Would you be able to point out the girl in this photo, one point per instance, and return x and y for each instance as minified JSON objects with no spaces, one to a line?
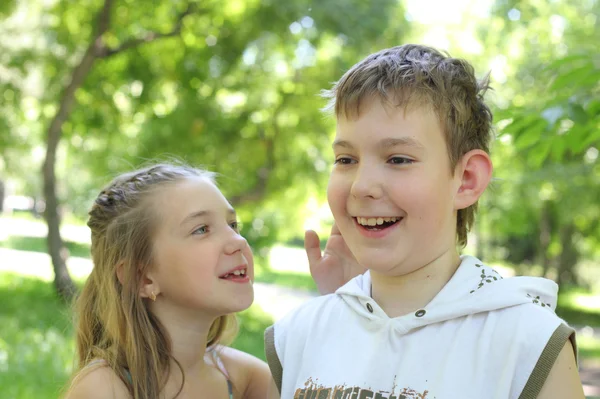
{"x":170,"y":270}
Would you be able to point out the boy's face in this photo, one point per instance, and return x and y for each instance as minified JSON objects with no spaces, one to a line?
{"x":391,"y":190}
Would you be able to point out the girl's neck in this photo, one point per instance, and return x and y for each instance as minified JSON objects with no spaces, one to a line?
{"x":188,"y":334}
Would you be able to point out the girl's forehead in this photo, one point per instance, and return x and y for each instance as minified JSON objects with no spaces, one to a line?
{"x":175,"y":201}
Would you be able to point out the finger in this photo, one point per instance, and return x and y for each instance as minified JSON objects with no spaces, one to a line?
{"x":312,"y":246}
{"x":335,"y":230}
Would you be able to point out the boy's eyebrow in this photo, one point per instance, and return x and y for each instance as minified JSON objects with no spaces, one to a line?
{"x":403,"y":141}
{"x":199,"y":214}
{"x":341,"y":143}
{"x":385,"y":143}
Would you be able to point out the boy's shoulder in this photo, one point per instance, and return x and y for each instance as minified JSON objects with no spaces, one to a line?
{"x":314,"y":307}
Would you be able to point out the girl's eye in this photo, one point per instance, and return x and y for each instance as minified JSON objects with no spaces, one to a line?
{"x":200,"y":230}
{"x":343,"y":161}
{"x":235,"y":226}
{"x":400,"y":161}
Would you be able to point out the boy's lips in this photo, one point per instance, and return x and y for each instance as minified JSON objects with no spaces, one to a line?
{"x":376,"y":227}
{"x":377,"y":220}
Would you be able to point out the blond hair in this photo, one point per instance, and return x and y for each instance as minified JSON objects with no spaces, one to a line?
{"x":412,"y":76}
{"x":113,"y":321}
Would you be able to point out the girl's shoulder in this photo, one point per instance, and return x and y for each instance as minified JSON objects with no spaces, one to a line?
{"x":97,"y":380}
{"x":249,"y":375}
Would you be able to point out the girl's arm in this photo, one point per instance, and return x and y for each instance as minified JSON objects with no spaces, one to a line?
{"x":250,"y":375}
{"x":100,"y":382}
{"x":563,"y":380}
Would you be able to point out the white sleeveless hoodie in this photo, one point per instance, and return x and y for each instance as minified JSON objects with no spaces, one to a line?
{"x":481,"y":337}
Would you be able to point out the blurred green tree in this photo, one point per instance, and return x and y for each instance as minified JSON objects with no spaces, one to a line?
{"x":232,"y":86}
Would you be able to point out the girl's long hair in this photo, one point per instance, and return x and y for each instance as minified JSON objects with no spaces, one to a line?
{"x":113,"y":322}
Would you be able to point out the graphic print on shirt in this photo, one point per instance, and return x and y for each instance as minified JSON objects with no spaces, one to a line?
{"x":313,"y":390}
{"x":487,"y":276}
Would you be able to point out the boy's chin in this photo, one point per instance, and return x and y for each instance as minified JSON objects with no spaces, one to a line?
{"x":387,"y":267}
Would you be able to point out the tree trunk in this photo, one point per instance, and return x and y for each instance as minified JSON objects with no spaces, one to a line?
{"x":2,"y":193}
{"x":58,"y":253}
{"x":568,"y":256}
{"x":62,"y":281}
{"x":544,"y":239}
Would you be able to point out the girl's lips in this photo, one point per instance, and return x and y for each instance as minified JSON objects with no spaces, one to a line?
{"x":241,"y":277}
{"x":237,"y":279}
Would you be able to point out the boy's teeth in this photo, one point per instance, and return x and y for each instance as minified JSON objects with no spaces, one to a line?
{"x":237,"y":272}
{"x":376,"y":221}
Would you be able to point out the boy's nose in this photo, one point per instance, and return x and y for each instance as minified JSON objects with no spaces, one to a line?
{"x":235,"y":244}
{"x":366,"y":184}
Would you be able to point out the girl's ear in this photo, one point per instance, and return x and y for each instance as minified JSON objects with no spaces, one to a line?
{"x":473,"y":173}
{"x":120,"y":270}
{"x":149,"y":287}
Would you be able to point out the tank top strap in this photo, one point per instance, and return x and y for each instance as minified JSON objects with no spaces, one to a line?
{"x":222,"y":369}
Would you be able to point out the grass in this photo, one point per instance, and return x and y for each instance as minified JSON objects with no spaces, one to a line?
{"x":38,"y":244}
{"x":37,"y":346}
{"x":297,"y":280}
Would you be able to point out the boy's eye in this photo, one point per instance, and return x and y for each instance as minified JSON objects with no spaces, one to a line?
{"x":235,"y":226}
{"x":343,"y":161}
{"x":200,"y":230}
{"x":400,"y":160}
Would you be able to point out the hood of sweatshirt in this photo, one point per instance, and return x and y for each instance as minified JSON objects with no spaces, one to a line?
{"x":473,"y":288}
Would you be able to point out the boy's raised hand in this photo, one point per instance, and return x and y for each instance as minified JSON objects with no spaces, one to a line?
{"x":335,"y":266}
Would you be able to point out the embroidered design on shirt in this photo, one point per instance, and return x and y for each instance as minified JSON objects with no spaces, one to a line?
{"x":487,"y":276}
{"x":313,"y":390}
{"x":538,"y":301}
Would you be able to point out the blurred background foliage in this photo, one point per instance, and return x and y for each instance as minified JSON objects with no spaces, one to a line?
{"x":234,"y":87}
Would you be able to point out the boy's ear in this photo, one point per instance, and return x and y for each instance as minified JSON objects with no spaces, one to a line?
{"x":473,"y":174}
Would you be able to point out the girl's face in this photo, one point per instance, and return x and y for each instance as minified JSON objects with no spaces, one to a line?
{"x":200,"y":260}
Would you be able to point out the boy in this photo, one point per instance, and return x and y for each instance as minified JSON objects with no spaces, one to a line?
{"x":411,"y":161}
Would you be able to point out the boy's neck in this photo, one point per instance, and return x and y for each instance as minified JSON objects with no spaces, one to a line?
{"x":400,"y":295}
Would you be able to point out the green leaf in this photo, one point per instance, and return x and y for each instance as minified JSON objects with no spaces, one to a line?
{"x":531,"y":134}
{"x":570,"y":59}
{"x":538,"y":154}
{"x":577,"y":114}
{"x":572,"y":77}
{"x":593,"y":108}
{"x":558,"y":150}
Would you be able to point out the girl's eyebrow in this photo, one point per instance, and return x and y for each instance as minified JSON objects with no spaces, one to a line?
{"x":199,"y":214}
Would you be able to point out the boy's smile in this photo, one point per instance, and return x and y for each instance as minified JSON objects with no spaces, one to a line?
{"x":391,"y":190}
{"x":377,"y":226}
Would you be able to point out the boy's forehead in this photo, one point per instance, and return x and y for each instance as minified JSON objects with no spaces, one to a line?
{"x":393,"y":101}
{"x":383,"y":125}
{"x":387,"y":110}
